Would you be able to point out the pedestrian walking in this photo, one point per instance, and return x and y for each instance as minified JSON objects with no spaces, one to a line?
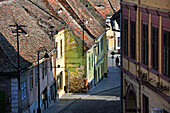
{"x":117,"y":61}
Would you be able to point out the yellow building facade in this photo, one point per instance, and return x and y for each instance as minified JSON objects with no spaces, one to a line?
{"x":146,"y":56}
{"x":60,"y":62}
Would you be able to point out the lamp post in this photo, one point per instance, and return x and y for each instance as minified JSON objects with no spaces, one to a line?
{"x":41,"y":49}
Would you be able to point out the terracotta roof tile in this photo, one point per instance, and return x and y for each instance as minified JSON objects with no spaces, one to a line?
{"x":5,"y":64}
{"x":83,"y":14}
{"x":71,"y":24}
{"x":106,"y":7}
{"x":28,"y":44}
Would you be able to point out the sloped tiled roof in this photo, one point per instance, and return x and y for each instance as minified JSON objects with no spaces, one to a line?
{"x":5,"y":64}
{"x":83,"y":14}
{"x":68,"y":18}
{"x":14,"y":11}
{"x":106,"y":7}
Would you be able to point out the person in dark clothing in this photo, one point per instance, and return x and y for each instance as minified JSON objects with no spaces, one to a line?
{"x":117,"y":61}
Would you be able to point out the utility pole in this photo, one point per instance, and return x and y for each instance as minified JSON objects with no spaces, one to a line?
{"x":18,"y":29}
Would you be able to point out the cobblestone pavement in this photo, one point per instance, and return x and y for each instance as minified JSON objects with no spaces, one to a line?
{"x":105,"y":102}
{"x":104,"y":98}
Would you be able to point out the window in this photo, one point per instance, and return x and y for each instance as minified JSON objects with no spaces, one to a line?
{"x":118,"y":41}
{"x":132,"y":40}
{"x":57,"y":50}
{"x":155,"y":48}
{"x":51,"y":66}
{"x":31,"y":79}
{"x":42,"y":70}
{"x":102,"y":69}
{"x":89,"y":63}
{"x":61,"y":48}
{"x":145,"y":104}
{"x":45,"y":67}
{"x":125,"y":37}
{"x":36,"y":75}
{"x":98,"y":47}
{"x":99,"y":73}
{"x":102,"y":44}
{"x":145,"y":44}
{"x":166,"y":53}
{"x":92,"y":60}
{"x":23,"y":89}
{"x":59,"y":81}
{"x":52,"y":92}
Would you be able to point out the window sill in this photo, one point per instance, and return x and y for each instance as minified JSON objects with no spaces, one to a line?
{"x":144,"y":66}
{"x":132,"y":60}
{"x":164,"y":77}
{"x":153,"y":71}
{"x":125,"y":56}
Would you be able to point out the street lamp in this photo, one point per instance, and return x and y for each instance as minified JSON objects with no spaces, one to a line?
{"x":41,"y":49}
{"x":112,"y":53}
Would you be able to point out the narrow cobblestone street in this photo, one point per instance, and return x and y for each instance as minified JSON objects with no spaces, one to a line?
{"x":104,"y":98}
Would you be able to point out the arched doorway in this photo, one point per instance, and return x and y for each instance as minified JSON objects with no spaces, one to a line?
{"x":131,"y":101}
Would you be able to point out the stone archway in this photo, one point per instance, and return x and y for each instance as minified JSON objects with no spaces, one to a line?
{"x":131,"y":104}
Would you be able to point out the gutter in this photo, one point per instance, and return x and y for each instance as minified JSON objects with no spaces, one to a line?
{"x":41,"y":60}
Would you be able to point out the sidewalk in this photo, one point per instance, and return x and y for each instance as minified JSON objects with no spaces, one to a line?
{"x":113,"y":81}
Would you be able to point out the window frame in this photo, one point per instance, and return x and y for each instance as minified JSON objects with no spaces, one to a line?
{"x":102,"y":43}
{"x":145,"y":99}
{"x":154,"y":52}
{"x":132,"y":39}
{"x":51,"y":63}
{"x":61,"y":47}
{"x":144,"y":43}
{"x":125,"y":39}
{"x":45,"y":67}
{"x":61,"y":81}
{"x":167,"y":62}
{"x":42,"y":67}
{"x":89,"y":63}
{"x":31,"y":79}
{"x":36,"y":75}
{"x":57,"y":50}
{"x":24,"y":88}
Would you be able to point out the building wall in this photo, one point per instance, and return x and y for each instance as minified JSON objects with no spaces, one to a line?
{"x":100,"y":58}
{"x":60,"y":60}
{"x":144,"y":78}
{"x":5,"y":88}
{"x":75,"y":62}
{"x":110,"y":35}
{"x":30,"y":102}
{"x":90,"y":66}
{"x":25,"y":101}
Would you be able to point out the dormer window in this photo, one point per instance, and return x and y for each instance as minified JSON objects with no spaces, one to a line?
{"x":60,"y":11}
{"x":100,"y":7}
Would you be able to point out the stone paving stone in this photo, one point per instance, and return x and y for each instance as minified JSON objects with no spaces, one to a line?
{"x":104,"y":98}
